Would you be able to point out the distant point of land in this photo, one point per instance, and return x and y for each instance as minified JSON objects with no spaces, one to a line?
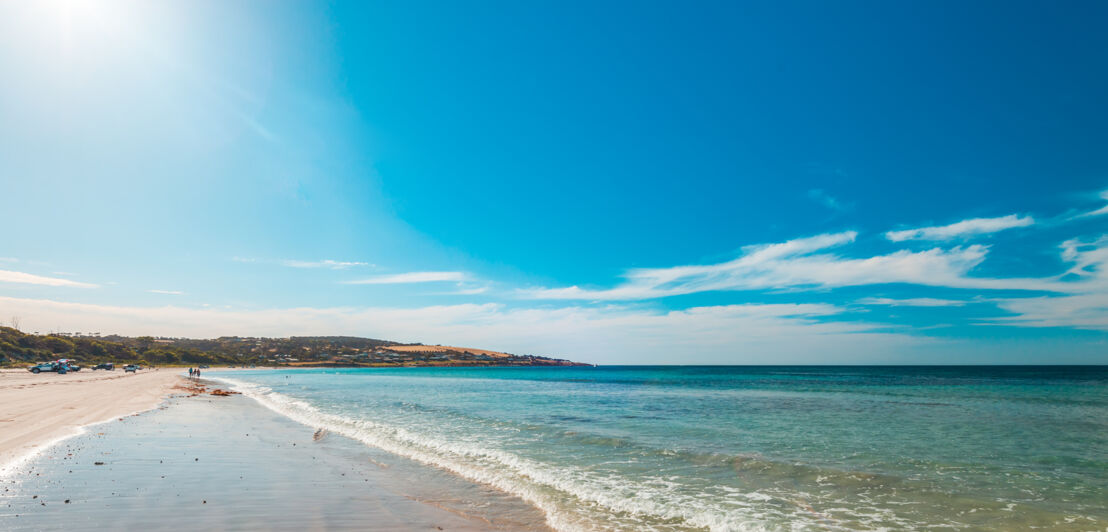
{"x":18,"y":348}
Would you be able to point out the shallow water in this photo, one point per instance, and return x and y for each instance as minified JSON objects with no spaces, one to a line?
{"x":209,"y":463}
{"x":739,"y":448}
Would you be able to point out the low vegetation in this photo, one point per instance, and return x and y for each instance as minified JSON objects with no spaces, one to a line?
{"x":21,"y":349}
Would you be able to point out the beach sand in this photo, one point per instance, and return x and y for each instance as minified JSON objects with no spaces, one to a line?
{"x":200,"y":461}
{"x":36,"y":410}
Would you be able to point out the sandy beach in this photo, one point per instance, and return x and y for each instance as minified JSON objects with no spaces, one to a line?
{"x":36,"y":410}
{"x":224,"y":461}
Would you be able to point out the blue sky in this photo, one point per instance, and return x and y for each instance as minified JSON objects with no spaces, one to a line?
{"x":802,"y":182}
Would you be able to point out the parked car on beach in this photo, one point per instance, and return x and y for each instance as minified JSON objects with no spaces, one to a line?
{"x":107,"y":365}
{"x":131,"y":368}
{"x":44,"y":366}
{"x":69,"y":364}
{"x":61,"y":366}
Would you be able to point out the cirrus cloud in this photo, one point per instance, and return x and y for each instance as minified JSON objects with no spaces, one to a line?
{"x":412,"y":277}
{"x":8,"y":276}
{"x":326,"y":263}
{"x":1096,"y":212}
{"x":912,"y":302}
{"x":803,"y":263}
{"x":973,"y":226}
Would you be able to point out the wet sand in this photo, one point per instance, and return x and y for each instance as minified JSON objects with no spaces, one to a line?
{"x":210,"y":462}
{"x":37,"y":410}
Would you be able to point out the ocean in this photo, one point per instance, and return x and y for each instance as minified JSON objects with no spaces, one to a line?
{"x":737,"y":448}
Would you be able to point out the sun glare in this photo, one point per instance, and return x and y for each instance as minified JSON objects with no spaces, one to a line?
{"x":79,"y":28}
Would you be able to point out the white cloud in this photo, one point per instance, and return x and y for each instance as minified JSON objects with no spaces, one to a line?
{"x":807,"y":264}
{"x":413,"y":277}
{"x":293,"y":263}
{"x":331,"y":264}
{"x":1098,"y":212}
{"x":1085,"y":311}
{"x":792,"y":264}
{"x":1088,"y":258}
{"x":166,"y":292}
{"x":1086,"y":304}
{"x":973,"y":226}
{"x":780,"y":333}
{"x":466,"y":291}
{"x":7,"y":276}
{"x":911,"y":302}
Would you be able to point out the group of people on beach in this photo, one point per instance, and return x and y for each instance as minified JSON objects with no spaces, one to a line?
{"x":194,"y":373}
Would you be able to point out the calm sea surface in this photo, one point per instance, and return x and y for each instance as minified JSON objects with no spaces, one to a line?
{"x":739,"y":448}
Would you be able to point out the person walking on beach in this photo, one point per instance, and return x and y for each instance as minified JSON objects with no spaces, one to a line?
{"x":190,"y":372}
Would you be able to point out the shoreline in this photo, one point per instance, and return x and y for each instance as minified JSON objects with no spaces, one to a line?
{"x":85,"y":396}
{"x":478,"y":454}
{"x":40,"y":411}
{"x":109,"y":474}
{"x":550,"y":520}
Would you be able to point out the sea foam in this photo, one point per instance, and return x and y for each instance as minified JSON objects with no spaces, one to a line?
{"x":571,"y":499}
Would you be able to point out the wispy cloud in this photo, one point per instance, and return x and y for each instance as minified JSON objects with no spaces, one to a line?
{"x":825,"y":199}
{"x":7,"y":276}
{"x":794,"y":264}
{"x":1084,"y":311}
{"x":330,"y":264}
{"x":973,"y":226}
{"x":466,"y":291}
{"x":912,"y":302}
{"x":1086,"y":304}
{"x":1089,"y":258}
{"x":295,"y":263}
{"x":413,"y":277}
{"x":1098,"y":212}
{"x":166,"y":292}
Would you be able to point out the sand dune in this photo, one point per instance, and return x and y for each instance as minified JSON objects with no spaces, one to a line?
{"x":36,"y":410}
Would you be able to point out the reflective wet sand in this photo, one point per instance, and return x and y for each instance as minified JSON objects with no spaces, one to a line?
{"x":218,"y":463}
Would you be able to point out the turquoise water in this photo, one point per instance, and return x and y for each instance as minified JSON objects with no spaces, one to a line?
{"x":739,"y":448}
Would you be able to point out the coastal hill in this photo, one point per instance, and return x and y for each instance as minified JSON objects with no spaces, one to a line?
{"x":18,"y":349}
{"x":439,"y":349}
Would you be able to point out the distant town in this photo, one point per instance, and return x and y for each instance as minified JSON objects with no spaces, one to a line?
{"x":18,"y":348}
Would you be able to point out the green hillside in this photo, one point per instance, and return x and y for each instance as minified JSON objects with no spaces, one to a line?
{"x":21,"y":349}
